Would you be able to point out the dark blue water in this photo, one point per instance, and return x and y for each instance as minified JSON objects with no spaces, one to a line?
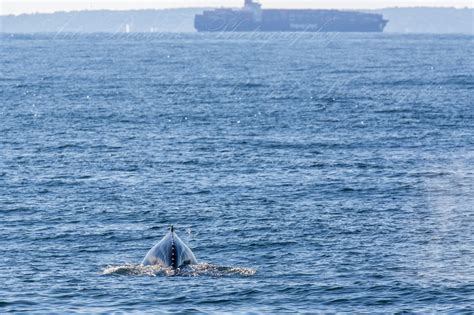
{"x":318,"y":173}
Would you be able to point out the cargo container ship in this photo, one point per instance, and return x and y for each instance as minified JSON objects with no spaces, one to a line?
{"x":253,"y":18}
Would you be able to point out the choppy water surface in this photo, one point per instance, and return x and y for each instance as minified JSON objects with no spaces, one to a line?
{"x":307,"y":172}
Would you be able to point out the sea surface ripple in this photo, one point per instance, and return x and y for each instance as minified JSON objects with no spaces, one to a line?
{"x":308,"y":172}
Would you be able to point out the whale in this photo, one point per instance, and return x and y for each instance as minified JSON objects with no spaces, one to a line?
{"x":170,"y":252}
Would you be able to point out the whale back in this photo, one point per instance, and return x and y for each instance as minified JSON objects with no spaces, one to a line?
{"x":170,"y":252}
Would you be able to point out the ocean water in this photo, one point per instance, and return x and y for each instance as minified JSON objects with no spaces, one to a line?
{"x":307,"y":172}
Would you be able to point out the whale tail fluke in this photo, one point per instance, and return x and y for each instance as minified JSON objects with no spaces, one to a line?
{"x":171,"y":251}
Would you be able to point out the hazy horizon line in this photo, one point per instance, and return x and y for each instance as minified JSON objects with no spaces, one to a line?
{"x":210,"y":7}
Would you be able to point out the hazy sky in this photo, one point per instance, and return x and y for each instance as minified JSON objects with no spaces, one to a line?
{"x":31,"y":6}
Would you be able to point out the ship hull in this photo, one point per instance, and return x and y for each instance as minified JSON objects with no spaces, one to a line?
{"x":226,"y":20}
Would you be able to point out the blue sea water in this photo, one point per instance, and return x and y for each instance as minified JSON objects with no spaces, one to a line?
{"x":308,"y":172}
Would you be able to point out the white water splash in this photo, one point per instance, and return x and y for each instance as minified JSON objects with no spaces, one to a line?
{"x":448,"y":254}
{"x":203,"y":269}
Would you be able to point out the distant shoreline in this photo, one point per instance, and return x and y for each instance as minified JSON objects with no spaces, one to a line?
{"x":414,"y":20}
{"x":213,"y":8}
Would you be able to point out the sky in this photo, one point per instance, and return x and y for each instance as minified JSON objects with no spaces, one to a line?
{"x":31,"y":6}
